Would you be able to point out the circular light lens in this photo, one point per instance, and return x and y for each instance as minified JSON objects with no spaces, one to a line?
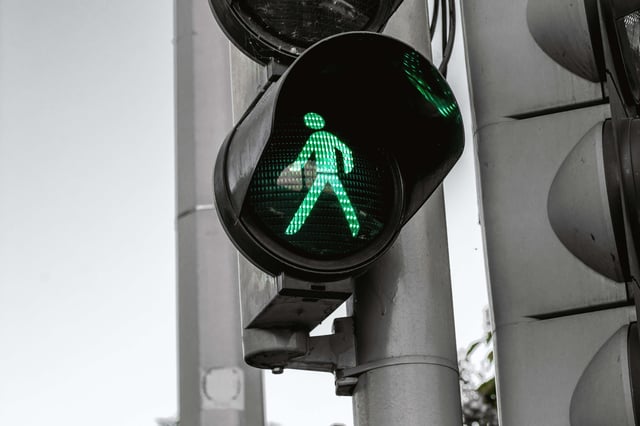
{"x":317,"y":193}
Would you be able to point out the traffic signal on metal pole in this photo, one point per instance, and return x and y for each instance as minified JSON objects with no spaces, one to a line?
{"x":342,"y":145}
{"x":317,"y":179}
{"x":554,"y":180}
{"x":593,"y":203}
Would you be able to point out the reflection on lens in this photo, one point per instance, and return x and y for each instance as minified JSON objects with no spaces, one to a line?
{"x":629,"y":30}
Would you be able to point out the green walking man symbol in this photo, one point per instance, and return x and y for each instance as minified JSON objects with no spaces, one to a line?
{"x":324,"y":145}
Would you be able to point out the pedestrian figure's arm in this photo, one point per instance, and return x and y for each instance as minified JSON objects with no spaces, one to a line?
{"x":347,"y":157}
{"x":303,"y":157}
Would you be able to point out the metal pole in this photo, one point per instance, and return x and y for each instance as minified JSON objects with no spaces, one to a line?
{"x":403,"y":307}
{"x":216,"y":386}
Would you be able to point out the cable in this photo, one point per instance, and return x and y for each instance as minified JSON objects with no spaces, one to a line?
{"x":446,"y":51}
{"x":448,"y":34}
{"x":444,"y":25}
{"x":434,"y":17}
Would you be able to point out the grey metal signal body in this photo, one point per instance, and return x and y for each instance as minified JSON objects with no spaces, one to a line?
{"x":558,"y":227}
{"x":308,"y":286}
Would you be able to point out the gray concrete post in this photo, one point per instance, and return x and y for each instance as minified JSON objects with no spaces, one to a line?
{"x":216,"y":386}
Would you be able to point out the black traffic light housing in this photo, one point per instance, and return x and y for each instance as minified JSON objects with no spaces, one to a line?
{"x":402,"y":130}
{"x":280,"y":30}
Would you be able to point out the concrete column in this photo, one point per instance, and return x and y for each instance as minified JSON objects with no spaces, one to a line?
{"x":216,"y":387}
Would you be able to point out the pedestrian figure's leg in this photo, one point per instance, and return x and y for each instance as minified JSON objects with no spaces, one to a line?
{"x":345,"y":203}
{"x":307,"y":204}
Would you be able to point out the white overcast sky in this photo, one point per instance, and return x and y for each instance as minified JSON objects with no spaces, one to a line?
{"x":87,"y":209}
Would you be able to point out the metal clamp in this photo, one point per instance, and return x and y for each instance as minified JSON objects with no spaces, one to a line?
{"x":347,"y":378}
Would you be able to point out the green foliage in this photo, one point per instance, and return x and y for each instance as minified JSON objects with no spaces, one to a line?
{"x":478,"y":384}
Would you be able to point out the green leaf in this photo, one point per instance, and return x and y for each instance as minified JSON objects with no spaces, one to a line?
{"x":488,"y":337}
{"x":487,"y":388}
{"x":472,"y":348}
{"x":488,"y":392}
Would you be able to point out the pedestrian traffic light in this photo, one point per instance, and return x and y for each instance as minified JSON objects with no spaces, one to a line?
{"x":281,"y":30}
{"x":320,"y":174}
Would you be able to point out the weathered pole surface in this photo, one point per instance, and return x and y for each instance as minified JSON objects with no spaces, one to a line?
{"x":403,"y":307}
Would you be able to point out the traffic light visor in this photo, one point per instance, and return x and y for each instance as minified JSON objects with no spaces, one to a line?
{"x":584,"y":205}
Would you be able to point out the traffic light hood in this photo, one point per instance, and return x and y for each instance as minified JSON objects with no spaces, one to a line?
{"x":608,"y":390}
{"x":337,"y":155}
{"x":592,"y":38}
{"x":584,"y":205}
{"x":569,"y":33}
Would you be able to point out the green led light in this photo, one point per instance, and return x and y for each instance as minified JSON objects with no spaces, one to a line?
{"x":319,"y":193}
{"x":324,"y":145}
{"x":336,"y":183}
{"x":414,"y":71}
